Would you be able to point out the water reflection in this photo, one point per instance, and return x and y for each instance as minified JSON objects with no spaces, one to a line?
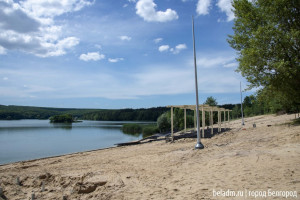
{"x":67,"y":126}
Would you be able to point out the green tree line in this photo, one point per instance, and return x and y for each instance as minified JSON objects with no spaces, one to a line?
{"x":150,"y":114}
{"x":29,"y":112}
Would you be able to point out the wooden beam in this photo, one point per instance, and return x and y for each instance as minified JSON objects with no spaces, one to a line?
{"x":219,"y":123}
{"x":224,"y":119}
{"x":172,"y":132}
{"x":212,"y":122}
{"x":203,"y":122}
{"x":185,"y":120}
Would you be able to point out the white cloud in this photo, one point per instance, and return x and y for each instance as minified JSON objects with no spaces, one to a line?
{"x":147,"y":10}
{"x":163,"y":48}
{"x":5,"y":78}
{"x":46,"y":8}
{"x":214,"y":61}
{"x":124,"y":37}
{"x":114,"y":60}
{"x":175,"y":50}
{"x":98,"y":46}
{"x":29,"y":26}
{"x":179,"y":48}
{"x":2,"y":50}
{"x":157,"y":40}
{"x":92,"y":56}
{"x":226,"y":6}
{"x":203,"y":7}
{"x":231,"y":65}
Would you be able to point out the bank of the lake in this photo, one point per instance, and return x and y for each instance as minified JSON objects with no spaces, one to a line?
{"x":265,"y":158}
{"x":31,"y":139}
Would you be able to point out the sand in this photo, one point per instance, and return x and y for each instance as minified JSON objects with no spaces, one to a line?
{"x":245,"y":160}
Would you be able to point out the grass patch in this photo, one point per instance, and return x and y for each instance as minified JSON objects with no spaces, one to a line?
{"x":132,"y":129}
{"x":149,"y":130}
{"x":137,"y":129}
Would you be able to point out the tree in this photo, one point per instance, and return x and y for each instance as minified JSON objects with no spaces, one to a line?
{"x":163,"y":122}
{"x":66,"y":118}
{"x":211,"y":101}
{"x":266,"y":36}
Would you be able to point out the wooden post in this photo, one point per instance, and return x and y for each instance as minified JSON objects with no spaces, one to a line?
{"x":203,"y":121}
{"x":212,"y":121}
{"x":228,"y":118}
{"x":43,"y":187}
{"x":225,"y":120}
{"x":172,"y":133}
{"x":32,"y":196}
{"x":18,"y":181}
{"x":218,"y":121}
{"x":185,"y":120}
{"x":209,"y":119}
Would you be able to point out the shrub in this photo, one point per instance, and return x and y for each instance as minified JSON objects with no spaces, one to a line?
{"x":132,"y":129}
{"x":164,"y":122}
{"x":149,"y":130}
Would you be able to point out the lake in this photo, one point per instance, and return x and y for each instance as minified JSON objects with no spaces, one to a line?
{"x":31,"y":139}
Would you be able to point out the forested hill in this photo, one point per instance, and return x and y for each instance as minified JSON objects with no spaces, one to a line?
{"x":149,"y":114}
{"x":29,"y":112}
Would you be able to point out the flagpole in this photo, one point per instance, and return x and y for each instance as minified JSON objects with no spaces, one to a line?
{"x":199,"y":145}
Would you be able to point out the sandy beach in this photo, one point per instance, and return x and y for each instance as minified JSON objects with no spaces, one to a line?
{"x":245,"y":160}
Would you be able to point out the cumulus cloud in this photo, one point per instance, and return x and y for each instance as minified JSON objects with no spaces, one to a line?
{"x":147,"y":10}
{"x":163,"y":48}
{"x":2,"y":50}
{"x":124,"y":37}
{"x":11,"y":16}
{"x":157,"y":40}
{"x":226,"y":6}
{"x":46,"y":8}
{"x":179,"y":48}
{"x":213,"y":61}
{"x":91,"y":56}
{"x":29,"y":26}
{"x":203,"y":7}
{"x":175,"y":50}
{"x":231,"y":65}
{"x":114,"y":60}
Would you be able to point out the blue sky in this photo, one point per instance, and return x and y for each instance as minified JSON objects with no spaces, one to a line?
{"x":115,"y":54}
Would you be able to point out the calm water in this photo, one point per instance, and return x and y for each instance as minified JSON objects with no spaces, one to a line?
{"x":31,"y":139}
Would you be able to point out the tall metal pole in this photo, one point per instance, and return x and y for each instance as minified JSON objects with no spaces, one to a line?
{"x":199,"y":145}
{"x":242,"y":104}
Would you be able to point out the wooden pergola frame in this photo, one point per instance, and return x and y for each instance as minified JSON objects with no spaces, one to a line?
{"x":203,"y":108}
